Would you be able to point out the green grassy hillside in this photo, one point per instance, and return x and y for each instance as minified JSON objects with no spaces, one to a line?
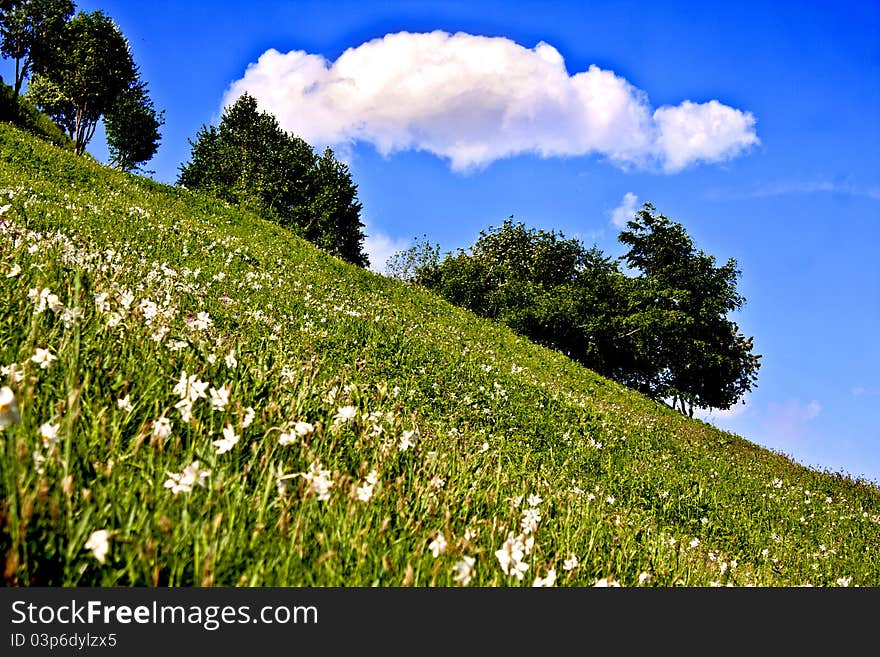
{"x":233,"y":406}
{"x":20,"y":112}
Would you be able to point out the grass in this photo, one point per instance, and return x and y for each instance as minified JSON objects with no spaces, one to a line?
{"x":20,"y":112}
{"x":385,"y":437}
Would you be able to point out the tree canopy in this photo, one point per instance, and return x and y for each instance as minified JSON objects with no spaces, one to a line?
{"x":89,"y":73}
{"x":679,"y":312}
{"x":132,"y":126}
{"x":81,"y":70}
{"x":30,"y":33}
{"x":250,"y":160}
{"x":664,"y":331}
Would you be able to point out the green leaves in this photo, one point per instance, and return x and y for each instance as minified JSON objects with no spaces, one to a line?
{"x":132,"y":127}
{"x":690,"y":351}
{"x":249,"y":160}
{"x":664,"y":333}
{"x":30,"y":32}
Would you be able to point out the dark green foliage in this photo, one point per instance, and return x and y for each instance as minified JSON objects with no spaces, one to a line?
{"x":695,"y":354}
{"x":30,"y":33}
{"x":552,"y":289}
{"x":18,"y":111}
{"x":132,"y":127}
{"x":88,"y":73}
{"x":251,"y":161}
{"x":664,"y":332}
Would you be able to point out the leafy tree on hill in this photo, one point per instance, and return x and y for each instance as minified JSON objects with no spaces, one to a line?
{"x":132,"y":125}
{"x":694,"y":354}
{"x":88,"y":74}
{"x":250,"y":160}
{"x":30,"y":32}
{"x":551,"y":289}
{"x":664,"y":332}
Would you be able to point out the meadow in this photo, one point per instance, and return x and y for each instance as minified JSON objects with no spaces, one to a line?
{"x":198,"y":397}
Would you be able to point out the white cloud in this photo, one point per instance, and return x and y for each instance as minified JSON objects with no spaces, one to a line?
{"x":862,"y":391}
{"x":713,"y":414}
{"x":380,"y":246}
{"x":710,"y":132}
{"x":789,"y":420}
{"x":625,"y":211}
{"x":474,"y":99}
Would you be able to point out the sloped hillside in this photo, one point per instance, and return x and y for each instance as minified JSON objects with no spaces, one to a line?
{"x":198,"y":397}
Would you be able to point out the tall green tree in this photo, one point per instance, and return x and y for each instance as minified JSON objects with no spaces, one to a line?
{"x":250,"y":160}
{"x":132,"y":126}
{"x":30,"y":33}
{"x":334,"y":211}
{"x":665,"y":332}
{"x":88,"y":74}
{"x":543,"y":285}
{"x":689,"y":350}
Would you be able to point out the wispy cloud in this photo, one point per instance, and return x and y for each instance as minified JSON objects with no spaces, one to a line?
{"x":474,"y":99}
{"x":713,"y":414}
{"x":625,"y":211}
{"x":783,"y":188}
{"x":788,"y":421}
{"x":380,"y":246}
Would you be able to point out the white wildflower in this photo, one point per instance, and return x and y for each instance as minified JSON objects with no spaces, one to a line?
{"x":571,"y":563}
{"x":303,"y":429}
{"x":406,"y":441}
{"x":319,"y":480}
{"x":530,"y":519}
{"x":365,"y":491}
{"x":220,"y":397}
{"x":101,"y":303}
{"x":126,"y":299}
{"x":548,"y":581}
{"x":438,"y":545}
{"x":184,"y":481}
{"x":345,"y":414}
{"x":162,"y":428}
{"x":510,"y":556}
{"x":8,"y":407}
{"x":202,"y":322}
{"x":228,"y":440}
{"x":606,"y":582}
{"x":464,"y":570}
{"x":185,"y":407}
{"x":49,"y":433}
{"x":99,"y":544}
{"x":43,"y":357}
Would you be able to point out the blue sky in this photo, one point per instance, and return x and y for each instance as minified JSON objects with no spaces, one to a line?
{"x":788,"y":184}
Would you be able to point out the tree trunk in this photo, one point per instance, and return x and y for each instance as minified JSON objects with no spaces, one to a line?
{"x":18,"y":80}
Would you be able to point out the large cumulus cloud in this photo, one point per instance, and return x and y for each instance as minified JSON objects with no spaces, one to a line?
{"x":475,"y":99}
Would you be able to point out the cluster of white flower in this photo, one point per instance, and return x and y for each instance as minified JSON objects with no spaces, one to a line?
{"x":183,"y":482}
{"x":320,"y":481}
{"x":365,"y":490}
{"x":513,"y":551}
